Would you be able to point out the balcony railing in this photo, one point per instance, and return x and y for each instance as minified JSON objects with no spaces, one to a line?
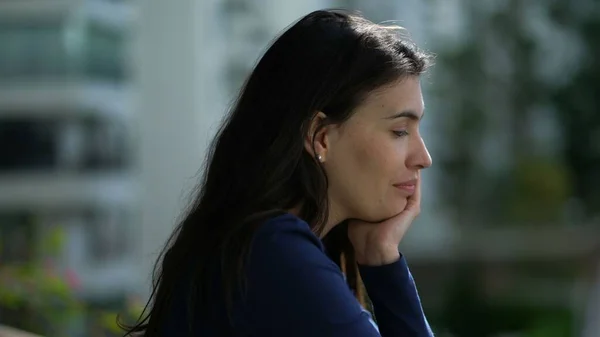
{"x":6,"y":331}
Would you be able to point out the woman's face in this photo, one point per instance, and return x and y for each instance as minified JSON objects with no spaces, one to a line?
{"x":372,"y":160}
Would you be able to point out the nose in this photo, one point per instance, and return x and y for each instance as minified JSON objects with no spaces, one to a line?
{"x":420,"y":157}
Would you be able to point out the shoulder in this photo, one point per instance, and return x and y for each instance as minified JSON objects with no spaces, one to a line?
{"x":286,"y":242}
{"x":291,"y":282}
{"x":284,"y":230}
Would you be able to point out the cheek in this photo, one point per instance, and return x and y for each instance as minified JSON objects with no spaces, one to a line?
{"x":379,"y":164}
{"x":362,"y":175}
{"x":367,"y":164}
{"x":359,"y":168}
{"x":378,"y":158}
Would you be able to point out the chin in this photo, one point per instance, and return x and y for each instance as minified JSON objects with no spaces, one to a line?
{"x":381,"y":211}
{"x":395,"y":207}
{"x":387,"y":211}
{"x":400,"y":205}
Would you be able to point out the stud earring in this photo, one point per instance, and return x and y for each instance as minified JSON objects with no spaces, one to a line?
{"x":320,"y":158}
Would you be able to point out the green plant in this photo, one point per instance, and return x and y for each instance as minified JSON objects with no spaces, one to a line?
{"x":35,"y":296}
{"x":107,"y":320}
{"x":39,"y":297}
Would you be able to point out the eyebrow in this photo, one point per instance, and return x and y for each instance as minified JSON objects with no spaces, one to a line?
{"x":410,"y":114}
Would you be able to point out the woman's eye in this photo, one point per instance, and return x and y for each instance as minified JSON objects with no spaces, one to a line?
{"x":400,"y":133}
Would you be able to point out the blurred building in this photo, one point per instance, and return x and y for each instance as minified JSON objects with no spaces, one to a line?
{"x":67,"y":139}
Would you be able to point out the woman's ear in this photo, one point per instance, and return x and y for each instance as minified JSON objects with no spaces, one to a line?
{"x":316,"y":140}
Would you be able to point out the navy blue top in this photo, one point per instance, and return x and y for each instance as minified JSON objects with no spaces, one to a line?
{"x":294,"y":289}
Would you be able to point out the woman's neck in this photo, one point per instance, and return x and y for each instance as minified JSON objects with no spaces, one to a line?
{"x":333,"y":219}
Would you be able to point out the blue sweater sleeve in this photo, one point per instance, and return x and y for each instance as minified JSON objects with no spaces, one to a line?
{"x":397,"y":306}
{"x":294,"y":289}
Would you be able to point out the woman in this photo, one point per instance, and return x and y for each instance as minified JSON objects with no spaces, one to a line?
{"x":310,"y":185}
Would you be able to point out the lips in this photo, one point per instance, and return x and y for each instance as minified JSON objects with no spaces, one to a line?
{"x":408,"y":186}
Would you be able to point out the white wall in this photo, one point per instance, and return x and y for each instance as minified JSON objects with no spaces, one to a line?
{"x":178,"y":103}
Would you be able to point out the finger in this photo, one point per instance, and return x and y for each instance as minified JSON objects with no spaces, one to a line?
{"x":417,"y":195}
{"x":413,"y":204}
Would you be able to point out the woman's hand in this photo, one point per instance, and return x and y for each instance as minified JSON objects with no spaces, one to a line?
{"x":376,"y":244}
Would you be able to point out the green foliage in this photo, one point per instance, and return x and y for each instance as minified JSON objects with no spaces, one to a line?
{"x":577,"y":100}
{"x":469,"y":312}
{"x":36,"y":296}
{"x":490,"y":85}
{"x":492,"y":88}
{"x":541,"y":189}
{"x":107,"y":320}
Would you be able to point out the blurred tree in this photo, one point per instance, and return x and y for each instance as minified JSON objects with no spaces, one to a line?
{"x":517,"y":97}
{"x":577,"y":100}
{"x":499,"y":166}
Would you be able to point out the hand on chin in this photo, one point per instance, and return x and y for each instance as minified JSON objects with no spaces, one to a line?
{"x":390,"y":211}
{"x":376,"y":242}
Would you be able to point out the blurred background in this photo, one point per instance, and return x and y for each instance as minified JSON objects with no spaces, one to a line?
{"x":107,"y":106}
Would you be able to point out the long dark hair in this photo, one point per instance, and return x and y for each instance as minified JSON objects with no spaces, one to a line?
{"x":257,"y":165}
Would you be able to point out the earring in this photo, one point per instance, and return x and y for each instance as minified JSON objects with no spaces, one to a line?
{"x":320,"y":158}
